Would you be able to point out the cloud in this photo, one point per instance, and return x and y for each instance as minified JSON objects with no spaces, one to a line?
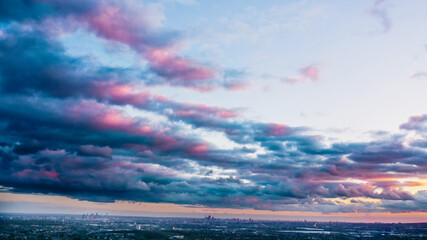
{"x":380,"y":12}
{"x":294,"y":176}
{"x":419,"y":75}
{"x":90,"y":150}
{"x":415,"y":123}
{"x":70,"y":126}
{"x":418,"y":205}
{"x":366,"y":190}
{"x":128,"y":22}
{"x":309,"y":73}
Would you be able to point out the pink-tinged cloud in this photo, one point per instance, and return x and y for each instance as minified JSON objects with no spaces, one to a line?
{"x":132,"y":24}
{"x":198,"y":149}
{"x":33,"y":174}
{"x":201,"y":111}
{"x":50,"y":174}
{"x":210,"y":110}
{"x":111,"y":22}
{"x":113,"y":119}
{"x":119,"y":23}
{"x":237,"y":86}
{"x":227,"y":114}
{"x":24,"y":173}
{"x":277,"y":129}
{"x":120,"y":93}
{"x":309,"y":73}
{"x":145,"y":130}
{"x":165,"y":142}
{"x":177,"y":68}
{"x":186,"y":113}
{"x":194,"y":113}
{"x":100,"y":116}
{"x":123,"y":94}
{"x":415,"y":123}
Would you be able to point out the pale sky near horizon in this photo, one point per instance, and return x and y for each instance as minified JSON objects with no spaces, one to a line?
{"x":191,"y":107}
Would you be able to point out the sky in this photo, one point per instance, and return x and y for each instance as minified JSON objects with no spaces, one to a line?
{"x":285,"y":110}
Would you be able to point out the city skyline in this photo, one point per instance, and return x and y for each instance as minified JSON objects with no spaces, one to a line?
{"x":286,"y":110}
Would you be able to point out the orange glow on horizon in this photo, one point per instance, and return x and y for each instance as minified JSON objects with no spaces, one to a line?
{"x":150,"y":209}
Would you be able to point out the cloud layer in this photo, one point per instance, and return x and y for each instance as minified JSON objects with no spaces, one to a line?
{"x":66,"y":128}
